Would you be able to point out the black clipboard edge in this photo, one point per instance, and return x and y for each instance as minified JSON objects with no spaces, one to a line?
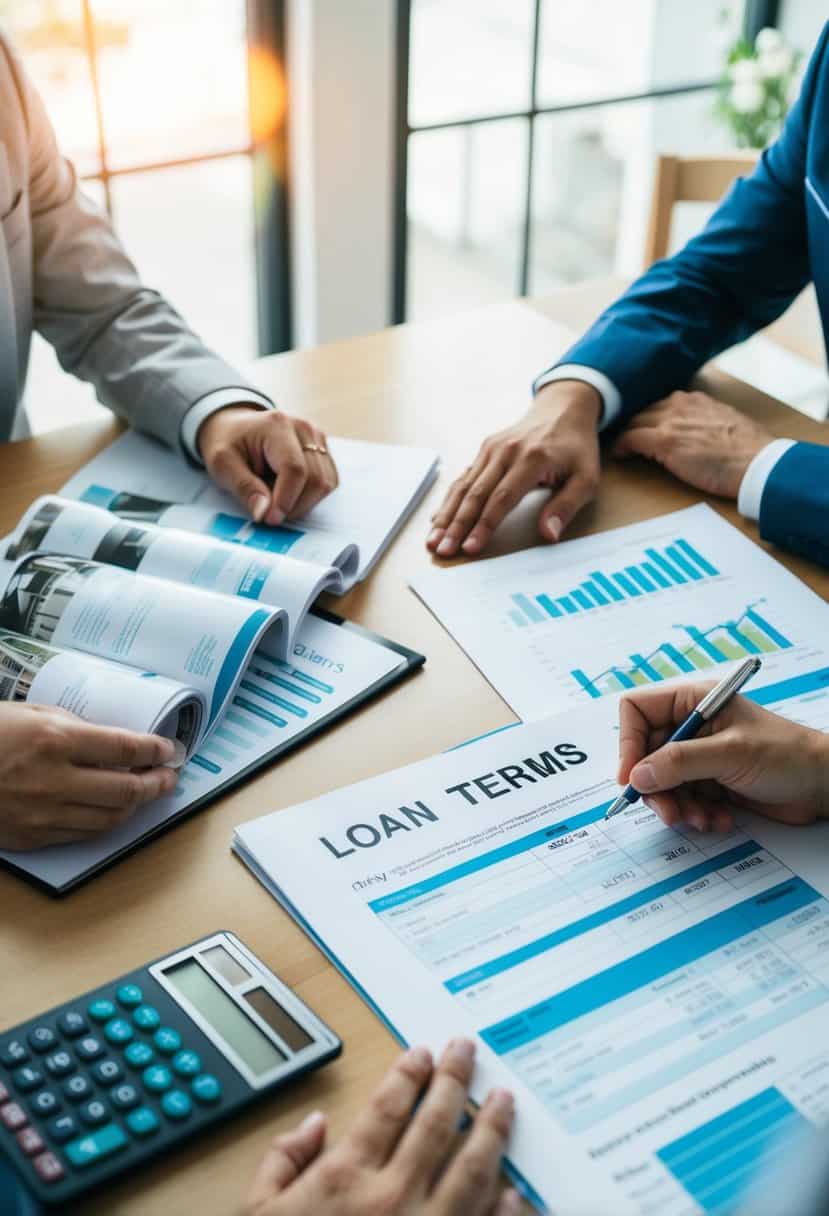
{"x":413,"y":662}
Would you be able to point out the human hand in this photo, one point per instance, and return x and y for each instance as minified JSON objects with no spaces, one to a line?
{"x":393,"y":1160}
{"x":62,"y":779}
{"x":702,"y":441}
{"x":745,"y":759}
{"x":244,"y":449}
{"x":556,"y":445}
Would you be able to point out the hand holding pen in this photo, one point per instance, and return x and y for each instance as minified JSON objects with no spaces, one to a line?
{"x":746,"y":758}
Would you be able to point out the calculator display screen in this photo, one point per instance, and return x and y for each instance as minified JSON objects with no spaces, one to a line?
{"x":224,"y":1016}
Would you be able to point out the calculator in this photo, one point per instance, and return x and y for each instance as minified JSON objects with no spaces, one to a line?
{"x":103,"y":1084}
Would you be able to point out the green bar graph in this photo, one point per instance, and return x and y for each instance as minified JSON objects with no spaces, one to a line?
{"x":698,"y":650}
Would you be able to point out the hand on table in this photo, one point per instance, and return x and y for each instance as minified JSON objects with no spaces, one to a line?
{"x":555,"y":445}
{"x":702,"y":441}
{"x":745,"y":759}
{"x":62,"y":779}
{"x":245,"y":449}
{"x":393,"y":1160}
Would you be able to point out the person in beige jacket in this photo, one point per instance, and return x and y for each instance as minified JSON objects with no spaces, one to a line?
{"x":65,"y":274}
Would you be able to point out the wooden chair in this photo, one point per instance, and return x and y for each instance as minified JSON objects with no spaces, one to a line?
{"x":682,"y":179}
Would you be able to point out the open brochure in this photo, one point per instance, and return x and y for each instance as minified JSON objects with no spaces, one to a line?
{"x":380,"y":485}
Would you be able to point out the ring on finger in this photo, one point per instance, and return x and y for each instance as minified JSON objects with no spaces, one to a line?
{"x":315,"y":447}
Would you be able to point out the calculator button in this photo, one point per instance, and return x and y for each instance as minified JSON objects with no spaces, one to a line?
{"x":13,"y":1116}
{"x":88,"y":1149}
{"x":89,"y":1048}
{"x":42,"y":1038}
{"x":101,"y":1010}
{"x":13,"y":1052}
{"x":176,"y":1104}
{"x":61,"y":1128}
{"x":157,"y":1078}
{"x":118,"y":1030}
{"x":26,"y":1079}
{"x":129,"y":995}
{"x":77,"y":1088}
{"x":167,"y":1040}
{"x":45,"y":1103}
{"x":49,"y":1169}
{"x":206,"y":1088}
{"x":146,"y":1017}
{"x":139,"y":1055}
{"x":143,"y":1121}
{"x":72,"y":1024}
{"x":186,"y":1063}
{"x":30,"y":1141}
{"x":124,"y":1097}
{"x":107,"y":1072}
{"x":59,"y":1064}
{"x":93,"y":1112}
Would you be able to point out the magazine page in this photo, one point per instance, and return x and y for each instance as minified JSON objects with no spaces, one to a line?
{"x":198,"y":638}
{"x":104,"y":694}
{"x":380,"y":484}
{"x":78,"y":529}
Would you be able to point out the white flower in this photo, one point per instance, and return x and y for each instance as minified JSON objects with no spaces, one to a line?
{"x":745,"y":71}
{"x":747,"y":97}
{"x":768,"y":39}
{"x":775,"y":63}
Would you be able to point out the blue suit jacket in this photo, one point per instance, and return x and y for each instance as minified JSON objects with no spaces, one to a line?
{"x":768,"y":239}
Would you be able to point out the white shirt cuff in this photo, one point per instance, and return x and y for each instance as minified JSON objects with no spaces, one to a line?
{"x":607,"y":390}
{"x":757,"y":474}
{"x":208,"y":405}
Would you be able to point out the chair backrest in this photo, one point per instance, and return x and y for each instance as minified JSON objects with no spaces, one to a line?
{"x":680,"y":179}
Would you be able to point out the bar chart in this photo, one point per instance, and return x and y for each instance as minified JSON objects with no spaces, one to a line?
{"x":678,"y":564}
{"x":692,"y":650}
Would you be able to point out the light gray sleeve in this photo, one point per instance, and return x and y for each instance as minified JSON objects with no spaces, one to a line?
{"x":88,"y":301}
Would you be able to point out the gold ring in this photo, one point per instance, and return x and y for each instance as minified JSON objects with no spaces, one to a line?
{"x":315,"y":447}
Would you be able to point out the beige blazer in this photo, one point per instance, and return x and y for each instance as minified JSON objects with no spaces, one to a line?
{"x":64,"y":273}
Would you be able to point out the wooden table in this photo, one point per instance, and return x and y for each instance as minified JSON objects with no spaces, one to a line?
{"x":441,"y":384}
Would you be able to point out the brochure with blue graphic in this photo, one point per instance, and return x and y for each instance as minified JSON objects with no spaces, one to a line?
{"x":655,"y":998}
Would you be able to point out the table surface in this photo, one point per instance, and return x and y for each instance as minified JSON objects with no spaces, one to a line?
{"x":442,"y":384}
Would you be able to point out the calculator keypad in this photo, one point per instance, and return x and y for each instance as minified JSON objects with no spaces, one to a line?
{"x":82,"y":1086}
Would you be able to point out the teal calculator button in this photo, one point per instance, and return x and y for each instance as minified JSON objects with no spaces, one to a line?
{"x":94,"y":1146}
{"x":157,"y":1078}
{"x":206,"y":1088}
{"x":176,"y":1104}
{"x":101,"y":1010}
{"x":167,"y":1040}
{"x":129,"y":995}
{"x":186,"y":1063}
{"x":146,"y":1017}
{"x":118,"y":1030}
{"x":139,"y":1055}
{"x":142,"y":1121}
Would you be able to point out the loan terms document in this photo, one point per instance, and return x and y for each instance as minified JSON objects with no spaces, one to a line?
{"x":657,"y":999}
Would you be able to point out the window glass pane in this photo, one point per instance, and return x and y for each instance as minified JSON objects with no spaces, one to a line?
{"x":631,"y":48}
{"x":469,"y":58}
{"x":49,"y":35}
{"x":173,"y":78}
{"x":593,"y":179}
{"x":190,"y":232}
{"x":466,"y":208}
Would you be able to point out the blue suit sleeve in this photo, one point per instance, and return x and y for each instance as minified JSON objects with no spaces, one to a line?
{"x":794,"y":509}
{"x":741,"y":272}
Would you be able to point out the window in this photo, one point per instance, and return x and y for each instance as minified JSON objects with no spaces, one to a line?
{"x":530,"y":131}
{"x":150,"y":100}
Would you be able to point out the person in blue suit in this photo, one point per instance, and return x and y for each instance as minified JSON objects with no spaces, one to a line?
{"x":768,"y":238}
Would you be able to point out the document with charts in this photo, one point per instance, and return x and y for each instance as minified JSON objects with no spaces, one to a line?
{"x":556,"y":627}
{"x":656,"y":999}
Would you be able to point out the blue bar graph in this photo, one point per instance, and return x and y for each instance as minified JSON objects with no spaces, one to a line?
{"x":700,"y":649}
{"x":657,"y":571}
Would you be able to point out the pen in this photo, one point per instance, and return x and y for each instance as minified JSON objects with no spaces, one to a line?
{"x":710,"y":704}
